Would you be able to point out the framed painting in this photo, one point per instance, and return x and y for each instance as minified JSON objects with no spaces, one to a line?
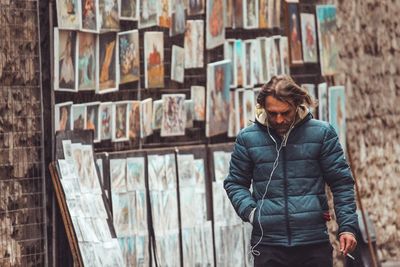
{"x":129,"y":57}
{"x":108,"y":15}
{"x":308,"y":37}
{"x":105,"y":120}
{"x":107,"y":58}
{"x":89,"y":16}
{"x":293,"y":32}
{"x":154,"y":59}
{"x":86,"y":61}
{"x":120,"y":121}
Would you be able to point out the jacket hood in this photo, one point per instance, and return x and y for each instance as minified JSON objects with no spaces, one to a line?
{"x":261,"y":114}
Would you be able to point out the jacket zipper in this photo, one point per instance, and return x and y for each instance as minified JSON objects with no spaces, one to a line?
{"x":286,"y":197}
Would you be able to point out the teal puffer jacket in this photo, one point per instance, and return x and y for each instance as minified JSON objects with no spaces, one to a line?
{"x":292,"y":211}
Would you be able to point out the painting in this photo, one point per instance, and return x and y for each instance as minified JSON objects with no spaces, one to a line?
{"x":293,"y":32}
{"x":164,"y":13}
{"x":121,"y":214}
{"x":199,"y":174}
{"x":177,"y":64}
{"x":308,"y":38}
{"x":78,"y":114}
{"x":157,"y":114}
{"x":328,"y":51}
{"x":148,"y":13}
{"x":248,"y":107}
{"x":264,"y":72}
{"x":89,"y":13}
{"x":154,"y":59}
{"x":86,"y":61}
{"x":65,"y":43}
{"x":250,"y":11}
{"x":146,"y":110}
{"x":263,"y":14}
{"x":229,"y":14}
{"x":135,"y":173}
{"x":284,"y":48}
{"x":108,"y":14}
{"x":129,"y":57}
{"x":337,"y":112}
{"x":68,"y":14}
{"x":229,"y":54}
{"x":106,"y":73}
{"x":239,"y":109}
{"x":189,"y":108}
{"x":198,"y":94}
{"x":141,"y":211}
{"x":105,"y":120}
{"x":134,"y":120}
{"x":156,"y":171}
{"x":92,"y":119}
{"x":178,"y":18}
{"x":238,"y":63}
{"x":118,"y":176}
{"x":221,"y":165}
{"x":194,"y":44}
{"x":218,"y":81}
{"x":170,"y":171}
{"x":174,"y":115}
{"x":215,"y":28}
{"x":248,"y":80}
{"x":196,"y":7}
{"x":323,"y":102}
{"x":232,"y":115}
{"x":62,"y":116}
{"x":271,"y":58}
{"x":277,"y":54}
{"x":129,"y":10}
{"x":237,"y":14}
{"x":120,"y":121}
{"x":255,"y":62}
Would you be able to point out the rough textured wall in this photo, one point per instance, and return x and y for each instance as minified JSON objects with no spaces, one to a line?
{"x":22,"y":236}
{"x":369,"y":42}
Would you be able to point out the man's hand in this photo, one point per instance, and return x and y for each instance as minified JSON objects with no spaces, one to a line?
{"x":347,"y":243}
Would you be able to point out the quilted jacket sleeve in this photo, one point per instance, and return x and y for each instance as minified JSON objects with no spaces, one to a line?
{"x":238,"y":181}
{"x":337,"y":174}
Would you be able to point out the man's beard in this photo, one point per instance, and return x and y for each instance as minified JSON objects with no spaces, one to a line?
{"x":281,"y":129}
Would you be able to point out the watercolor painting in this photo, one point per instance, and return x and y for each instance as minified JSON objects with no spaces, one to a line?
{"x":146,"y":110}
{"x":68,"y":14}
{"x":108,"y":15}
{"x":178,"y":18}
{"x":164,"y":13}
{"x":65,"y":46}
{"x":174,"y":115}
{"x":129,"y":10}
{"x":105,"y":120}
{"x":134,"y":120}
{"x":178,"y":64}
{"x":148,"y":13}
{"x":198,"y":94}
{"x":106,"y":73}
{"x":194,"y":44}
{"x":323,"y":102}
{"x":129,"y":57}
{"x":250,"y":12}
{"x":89,"y":19}
{"x":337,"y":112}
{"x":157,"y":114}
{"x":78,"y":113}
{"x":294,"y":35}
{"x":215,"y":28}
{"x":86,"y":61}
{"x":120,"y":121}
{"x":154,"y":59}
{"x":92,"y":119}
{"x":308,"y":37}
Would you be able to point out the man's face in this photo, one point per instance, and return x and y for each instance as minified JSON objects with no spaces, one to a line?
{"x":280,"y":114}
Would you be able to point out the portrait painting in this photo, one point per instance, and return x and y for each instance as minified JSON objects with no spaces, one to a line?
{"x":198,"y":94}
{"x":121,"y":214}
{"x":154,"y":59}
{"x":248,"y":107}
{"x":157,"y":114}
{"x":293,"y":32}
{"x":62,"y":115}
{"x":65,"y":46}
{"x":129,"y":10}
{"x":284,"y":49}
{"x":146,"y":115}
{"x":129,"y":57}
{"x":263,"y":14}
{"x":92,"y":119}
{"x":164,"y":13}
{"x":105,"y":120}
{"x":277,"y":54}
{"x":229,"y":54}
{"x":218,"y":83}
{"x":189,"y":108}
{"x":120,"y":121}
{"x":86,"y":61}
{"x":108,"y":15}
{"x":148,"y":13}
{"x":174,"y":115}
{"x":215,"y":28}
{"x":89,"y":13}
{"x":78,"y":113}
{"x":134,"y":120}
{"x":178,"y":18}
{"x":68,"y":14}
{"x":194,"y":44}
{"x":308,"y":37}
{"x":323,"y":102}
{"x":239,"y":63}
{"x":238,"y":14}
{"x":337,"y":112}
{"x":255,"y":62}
{"x":248,"y":77}
{"x":178,"y":64}
{"x":196,"y":7}
{"x":106,"y":72}
{"x":328,"y":51}
{"x":250,"y":11}
{"x":135,"y":173}
{"x":118,"y":176}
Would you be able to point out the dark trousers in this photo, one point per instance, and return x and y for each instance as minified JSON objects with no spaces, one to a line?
{"x":316,"y":255}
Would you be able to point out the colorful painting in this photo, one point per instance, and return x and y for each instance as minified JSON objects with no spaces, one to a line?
{"x":92,"y":119}
{"x":107,"y":63}
{"x":78,"y":113}
{"x":68,"y":14}
{"x":109,"y":19}
{"x":198,"y":94}
{"x":178,"y":18}
{"x":146,"y":110}
{"x":238,"y":63}
{"x":105,"y":120}
{"x":129,"y":57}
{"x":164,"y":13}
{"x":196,"y":7}
{"x":120,"y":121}
{"x":308,"y":38}
{"x":148,"y":13}
{"x":86,"y":61}
{"x":194,"y":44}
{"x":323,"y":102}
{"x":174,"y":115}
{"x":177,"y":64}
{"x":62,"y":116}
{"x":89,"y":16}
{"x":250,"y":11}
{"x":65,"y":60}
{"x":218,"y":81}
{"x":215,"y":31}
{"x":134,"y":120}
{"x":328,"y":51}
{"x":129,"y":9}
{"x":157,"y":114}
{"x":154,"y":59}
{"x":337,"y":112}
{"x":263,"y":14}
{"x":294,"y":36}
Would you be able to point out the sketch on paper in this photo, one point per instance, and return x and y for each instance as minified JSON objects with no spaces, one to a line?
{"x":135,"y":173}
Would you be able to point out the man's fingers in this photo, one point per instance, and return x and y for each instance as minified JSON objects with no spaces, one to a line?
{"x":347,"y":243}
{"x":342,"y":243}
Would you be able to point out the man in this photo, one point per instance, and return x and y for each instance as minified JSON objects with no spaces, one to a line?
{"x":287,"y":157}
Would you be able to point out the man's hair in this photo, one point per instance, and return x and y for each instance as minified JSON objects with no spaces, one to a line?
{"x":283,"y":88}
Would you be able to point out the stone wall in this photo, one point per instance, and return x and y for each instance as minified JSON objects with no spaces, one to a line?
{"x":369,"y":39}
{"x":22,"y":232}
